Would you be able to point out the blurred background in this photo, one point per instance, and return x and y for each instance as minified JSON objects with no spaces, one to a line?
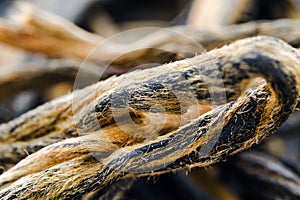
{"x":241,"y":177}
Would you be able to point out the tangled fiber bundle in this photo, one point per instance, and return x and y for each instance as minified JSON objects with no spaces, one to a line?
{"x":211,"y":110}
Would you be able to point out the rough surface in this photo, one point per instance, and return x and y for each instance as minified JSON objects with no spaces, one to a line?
{"x":76,"y":166}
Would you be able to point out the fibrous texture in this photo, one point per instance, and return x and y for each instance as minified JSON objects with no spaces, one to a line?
{"x":185,"y":114}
